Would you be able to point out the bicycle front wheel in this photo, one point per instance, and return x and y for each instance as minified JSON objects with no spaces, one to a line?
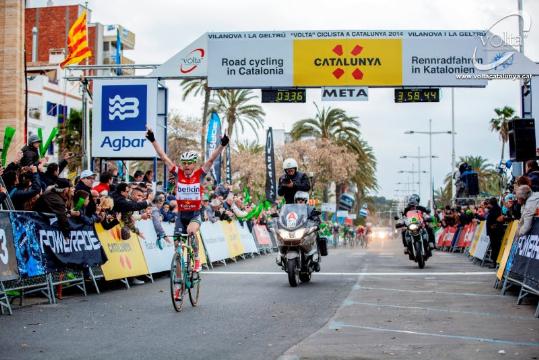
{"x":177,"y":283}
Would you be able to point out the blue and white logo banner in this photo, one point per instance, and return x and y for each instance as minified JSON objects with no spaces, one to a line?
{"x":122,"y":111}
{"x":213,"y":139}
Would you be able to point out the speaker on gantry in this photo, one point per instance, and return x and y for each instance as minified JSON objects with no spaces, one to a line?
{"x":522,"y":145}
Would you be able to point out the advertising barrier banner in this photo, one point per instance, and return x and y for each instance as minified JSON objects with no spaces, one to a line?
{"x":439,"y":236}
{"x":232,"y":237}
{"x":525,"y":263}
{"x":262,"y":236}
{"x":157,"y":259}
{"x":504,"y":260}
{"x":482,"y":244}
{"x":508,"y":236}
{"x":476,"y":237}
{"x":214,"y":241}
{"x":30,"y":259}
{"x":125,"y":257}
{"x":468,"y":237}
{"x":448,"y":236}
{"x":8,"y":259}
{"x":246,"y":238}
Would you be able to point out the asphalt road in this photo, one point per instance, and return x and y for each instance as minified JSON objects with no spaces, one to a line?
{"x":366,"y":304}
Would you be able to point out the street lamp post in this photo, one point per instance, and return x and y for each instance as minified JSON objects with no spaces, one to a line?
{"x":419,"y":157}
{"x":430,"y":133}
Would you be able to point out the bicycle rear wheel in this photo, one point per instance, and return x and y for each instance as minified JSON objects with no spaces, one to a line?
{"x":177,"y":283}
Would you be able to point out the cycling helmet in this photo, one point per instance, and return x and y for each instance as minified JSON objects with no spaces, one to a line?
{"x":414,"y":199}
{"x":301,"y":195}
{"x":290,"y":164}
{"x":189,"y":156}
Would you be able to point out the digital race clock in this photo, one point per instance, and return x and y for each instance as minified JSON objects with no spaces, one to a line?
{"x":283,"y":95}
{"x":417,"y":95}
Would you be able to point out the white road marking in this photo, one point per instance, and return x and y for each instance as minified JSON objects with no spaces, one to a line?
{"x":335,"y":325}
{"x":456,"y":273}
{"x":360,"y":287}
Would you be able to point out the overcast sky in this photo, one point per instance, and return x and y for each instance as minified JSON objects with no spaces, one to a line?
{"x":164,"y":27}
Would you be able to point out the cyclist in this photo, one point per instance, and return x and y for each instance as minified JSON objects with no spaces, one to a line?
{"x":188,"y":188}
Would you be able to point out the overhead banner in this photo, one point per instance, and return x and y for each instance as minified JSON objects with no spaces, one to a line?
{"x":191,"y":62}
{"x":374,"y":58}
{"x":213,"y":138}
{"x":125,"y":257}
{"x":8,"y":260}
{"x":345,"y":94}
{"x":122,"y":110}
{"x":271,"y":184}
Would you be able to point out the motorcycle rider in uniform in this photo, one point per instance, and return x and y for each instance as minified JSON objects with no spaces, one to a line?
{"x":413,"y":204}
{"x":292,"y":181}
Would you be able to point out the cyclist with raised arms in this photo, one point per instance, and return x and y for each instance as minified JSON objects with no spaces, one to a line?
{"x":188,"y":188}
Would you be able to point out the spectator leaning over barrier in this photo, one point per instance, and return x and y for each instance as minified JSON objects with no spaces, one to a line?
{"x":495,"y":227}
{"x":530,"y":202}
{"x":31,"y":151}
{"x":79,"y":213}
{"x":158,"y":203}
{"x":54,"y":170}
{"x":54,"y":200}
{"x":126,"y":206}
{"x":532,"y":173}
{"x":105,"y":181}
{"x":26,"y":190}
{"x":87,"y":178}
{"x":109,"y":218}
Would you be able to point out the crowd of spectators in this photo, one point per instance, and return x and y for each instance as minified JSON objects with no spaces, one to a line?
{"x":34,"y":184}
{"x":521,"y":204}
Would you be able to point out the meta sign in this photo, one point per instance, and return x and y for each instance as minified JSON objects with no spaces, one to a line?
{"x":122,"y":111}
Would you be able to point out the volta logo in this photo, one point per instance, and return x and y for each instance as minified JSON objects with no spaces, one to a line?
{"x":192,"y":61}
{"x":343,"y":61}
{"x":123,"y":108}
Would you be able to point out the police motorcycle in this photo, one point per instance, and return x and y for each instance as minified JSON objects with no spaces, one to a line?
{"x":416,"y":236}
{"x":299,"y":250}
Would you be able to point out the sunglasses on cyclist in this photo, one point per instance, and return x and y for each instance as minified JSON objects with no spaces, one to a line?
{"x":188,"y":162}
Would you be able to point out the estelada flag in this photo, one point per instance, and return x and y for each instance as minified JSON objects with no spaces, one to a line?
{"x":77,"y":41}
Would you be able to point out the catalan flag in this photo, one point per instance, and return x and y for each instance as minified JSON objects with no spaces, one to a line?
{"x":77,"y":41}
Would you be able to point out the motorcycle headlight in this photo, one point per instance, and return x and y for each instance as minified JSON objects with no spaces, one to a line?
{"x":284,"y":234}
{"x":413,"y":227}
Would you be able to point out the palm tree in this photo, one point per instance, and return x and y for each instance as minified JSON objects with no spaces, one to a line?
{"x":330,"y":123}
{"x":442,"y":197}
{"x":499,"y":124}
{"x":335,"y":125}
{"x":252,"y":147}
{"x":237,"y":109}
{"x":198,"y":87}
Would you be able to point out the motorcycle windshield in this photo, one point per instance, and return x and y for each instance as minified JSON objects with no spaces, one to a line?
{"x":293,"y":216}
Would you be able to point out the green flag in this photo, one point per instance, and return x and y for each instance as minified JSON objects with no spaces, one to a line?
{"x":44,"y":147}
{"x":8,"y":137}
{"x":246,"y":195}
